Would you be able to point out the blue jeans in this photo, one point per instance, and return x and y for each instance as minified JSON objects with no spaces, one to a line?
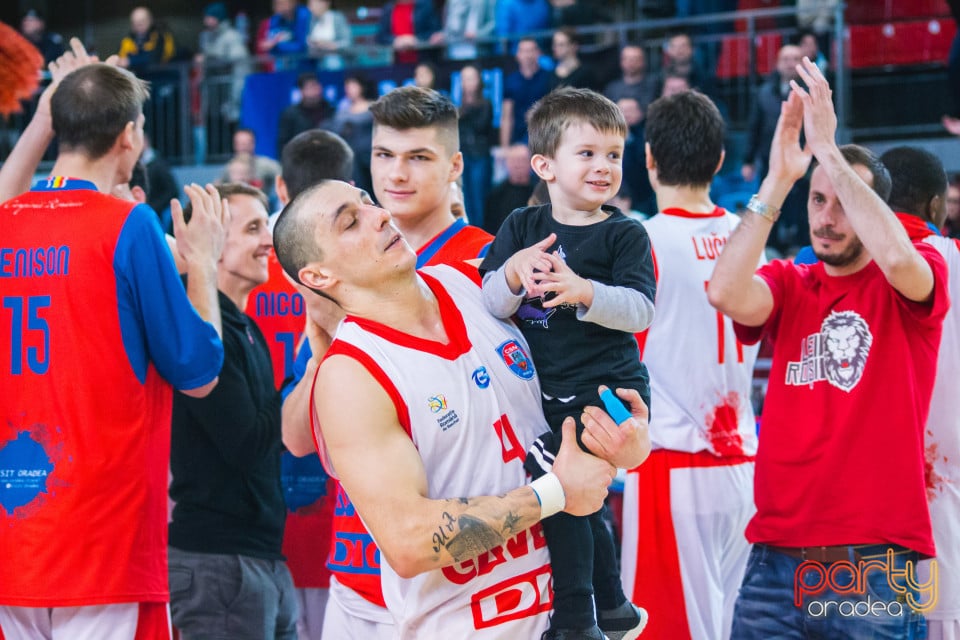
{"x":477,"y":174}
{"x":765,"y":608}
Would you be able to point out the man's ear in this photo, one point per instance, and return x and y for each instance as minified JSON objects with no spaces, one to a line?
{"x":543,"y":167}
{"x":723,"y":155}
{"x":139,"y":194}
{"x":280,"y":186}
{"x":126,"y":137}
{"x":648,"y":156}
{"x":316,"y":277}
{"x":456,"y":166}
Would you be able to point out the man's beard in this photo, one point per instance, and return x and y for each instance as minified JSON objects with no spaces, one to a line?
{"x":848,"y":256}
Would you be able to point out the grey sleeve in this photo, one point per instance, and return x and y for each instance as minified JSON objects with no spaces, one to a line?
{"x":497,"y":297}
{"x":618,"y":308}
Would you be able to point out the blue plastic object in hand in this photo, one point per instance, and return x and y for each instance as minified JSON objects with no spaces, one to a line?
{"x":615,"y":407}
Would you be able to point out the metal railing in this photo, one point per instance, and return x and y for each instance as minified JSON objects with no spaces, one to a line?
{"x":188,"y":124}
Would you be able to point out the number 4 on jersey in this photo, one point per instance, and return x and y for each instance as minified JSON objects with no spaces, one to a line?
{"x":509,"y":443}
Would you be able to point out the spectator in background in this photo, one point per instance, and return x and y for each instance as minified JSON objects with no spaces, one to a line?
{"x":465,"y":22}
{"x":951,"y":225}
{"x":312,"y":111}
{"x":329,"y":33}
{"x":163,"y":185}
{"x":265,"y":170}
{"x":517,"y":17}
{"x":674,"y":84}
{"x":512,"y":193}
{"x":817,"y":16}
{"x":568,"y":70}
{"x":148,"y":43}
{"x":679,"y":59}
{"x":425,"y":76}
{"x":223,"y":51}
{"x":521,"y":89}
{"x":239,"y":169}
{"x":810,"y":47}
{"x":642,"y":197}
{"x":287,"y":31}
{"x":793,"y":229}
{"x":33,"y":26}
{"x":408,"y":24}
{"x":476,"y":140}
{"x":354,"y":123}
{"x":766,"y":112}
{"x":635,"y":80}
{"x":227,"y":572}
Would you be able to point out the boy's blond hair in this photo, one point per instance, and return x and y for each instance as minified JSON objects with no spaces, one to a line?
{"x":558,"y":110}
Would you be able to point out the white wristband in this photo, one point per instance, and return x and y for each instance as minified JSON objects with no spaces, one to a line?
{"x":550,"y":494}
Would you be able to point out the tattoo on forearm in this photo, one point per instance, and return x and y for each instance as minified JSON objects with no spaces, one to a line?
{"x":510,"y":523}
{"x":441,"y":538}
{"x":467,"y":535}
{"x":475,"y":537}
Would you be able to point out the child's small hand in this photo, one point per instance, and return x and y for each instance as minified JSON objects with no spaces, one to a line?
{"x":567,"y":285}
{"x":526,"y":267}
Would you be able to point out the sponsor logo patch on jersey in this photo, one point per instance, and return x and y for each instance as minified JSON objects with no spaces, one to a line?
{"x":481,"y":378}
{"x":516,"y":359}
{"x":437,"y":403}
{"x":24,"y":468}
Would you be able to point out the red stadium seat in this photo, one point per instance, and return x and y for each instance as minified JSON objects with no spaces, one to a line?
{"x":900,"y":43}
{"x":882,"y":11}
{"x":735,"y":55}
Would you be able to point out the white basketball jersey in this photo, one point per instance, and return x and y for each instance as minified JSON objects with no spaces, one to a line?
{"x":942,"y":442}
{"x":472,"y":408}
{"x":700,"y":376}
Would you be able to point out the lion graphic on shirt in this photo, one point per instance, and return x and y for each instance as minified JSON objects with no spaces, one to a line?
{"x":846,"y":340}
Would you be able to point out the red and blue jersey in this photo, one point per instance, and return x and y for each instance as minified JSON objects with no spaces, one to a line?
{"x":96,"y":328}
{"x":278,"y":310}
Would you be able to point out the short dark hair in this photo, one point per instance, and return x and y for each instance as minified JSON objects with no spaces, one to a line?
{"x":228,"y":189}
{"x":305,"y":77}
{"x":528,"y":39}
{"x":571,"y":34}
{"x":313,"y":156}
{"x":93,"y":105}
{"x":294,"y":236}
{"x":916,"y":176}
{"x":553,"y":114}
{"x":804,"y":33}
{"x":685,"y":133}
{"x":140,"y":178}
{"x":855,"y":154}
{"x":367,"y":88}
{"x":418,"y":108}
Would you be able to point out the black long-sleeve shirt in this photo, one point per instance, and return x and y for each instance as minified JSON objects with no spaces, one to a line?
{"x":225,"y":453}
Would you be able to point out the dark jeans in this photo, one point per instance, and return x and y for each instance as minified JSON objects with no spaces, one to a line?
{"x":477,"y":174}
{"x":582,"y":552}
{"x":766,"y":608}
{"x":231,"y":597}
